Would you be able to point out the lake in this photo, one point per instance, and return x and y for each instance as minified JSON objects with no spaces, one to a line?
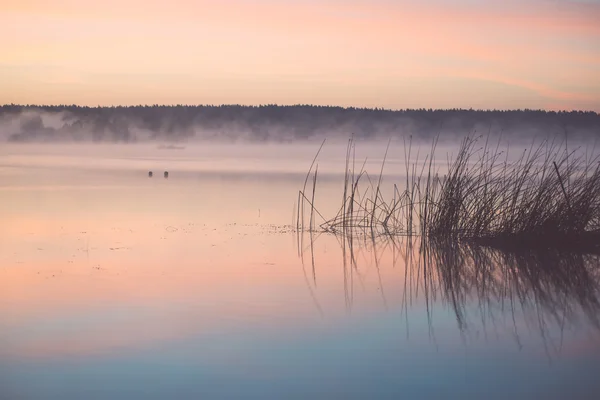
{"x":114,"y":285}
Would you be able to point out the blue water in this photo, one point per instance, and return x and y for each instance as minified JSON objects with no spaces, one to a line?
{"x":206,"y":297}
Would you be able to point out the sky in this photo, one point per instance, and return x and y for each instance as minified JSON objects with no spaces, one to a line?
{"x":541,"y":54}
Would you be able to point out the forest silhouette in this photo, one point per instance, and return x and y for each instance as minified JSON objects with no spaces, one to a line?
{"x":130,"y":124}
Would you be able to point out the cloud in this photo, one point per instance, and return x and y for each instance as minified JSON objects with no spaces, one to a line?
{"x":243,"y":51}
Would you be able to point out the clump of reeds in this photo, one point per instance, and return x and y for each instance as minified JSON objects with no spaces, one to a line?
{"x":548,"y":197}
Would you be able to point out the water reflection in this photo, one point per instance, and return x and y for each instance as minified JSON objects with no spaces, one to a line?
{"x":113,"y":285}
{"x":485,"y":288}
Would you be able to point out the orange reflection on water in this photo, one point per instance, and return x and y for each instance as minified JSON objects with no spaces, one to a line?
{"x":142,"y":281}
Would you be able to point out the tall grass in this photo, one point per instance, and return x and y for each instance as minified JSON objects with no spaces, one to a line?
{"x":549,"y":196}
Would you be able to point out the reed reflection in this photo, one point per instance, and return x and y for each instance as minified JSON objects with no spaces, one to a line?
{"x":484,"y":288}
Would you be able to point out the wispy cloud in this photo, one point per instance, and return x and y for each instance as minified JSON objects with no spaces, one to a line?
{"x":549,"y":47}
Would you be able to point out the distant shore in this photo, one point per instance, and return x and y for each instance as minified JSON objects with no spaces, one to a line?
{"x":44,"y":123}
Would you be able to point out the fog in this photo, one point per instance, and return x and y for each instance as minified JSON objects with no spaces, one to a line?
{"x":189,"y":124}
{"x":256,"y":160}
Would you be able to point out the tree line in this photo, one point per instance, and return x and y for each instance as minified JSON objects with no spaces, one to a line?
{"x":277,"y":123}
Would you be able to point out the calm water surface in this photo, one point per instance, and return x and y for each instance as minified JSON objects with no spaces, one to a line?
{"x":117,"y":286}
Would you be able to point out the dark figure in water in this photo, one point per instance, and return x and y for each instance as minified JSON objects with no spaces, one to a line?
{"x":149,"y":174}
{"x":166,"y":174}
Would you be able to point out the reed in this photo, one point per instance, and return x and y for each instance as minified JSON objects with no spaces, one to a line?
{"x":549,"y":196}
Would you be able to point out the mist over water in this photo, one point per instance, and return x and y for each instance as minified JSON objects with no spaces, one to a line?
{"x":117,"y":285}
{"x":272,"y":123}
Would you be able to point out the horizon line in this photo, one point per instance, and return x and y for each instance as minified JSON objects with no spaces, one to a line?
{"x":264,"y":105}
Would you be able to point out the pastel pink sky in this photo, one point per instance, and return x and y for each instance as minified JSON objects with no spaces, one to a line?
{"x":377,"y":53}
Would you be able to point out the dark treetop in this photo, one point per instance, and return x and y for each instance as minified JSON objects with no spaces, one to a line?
{"x":277,"y":123}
